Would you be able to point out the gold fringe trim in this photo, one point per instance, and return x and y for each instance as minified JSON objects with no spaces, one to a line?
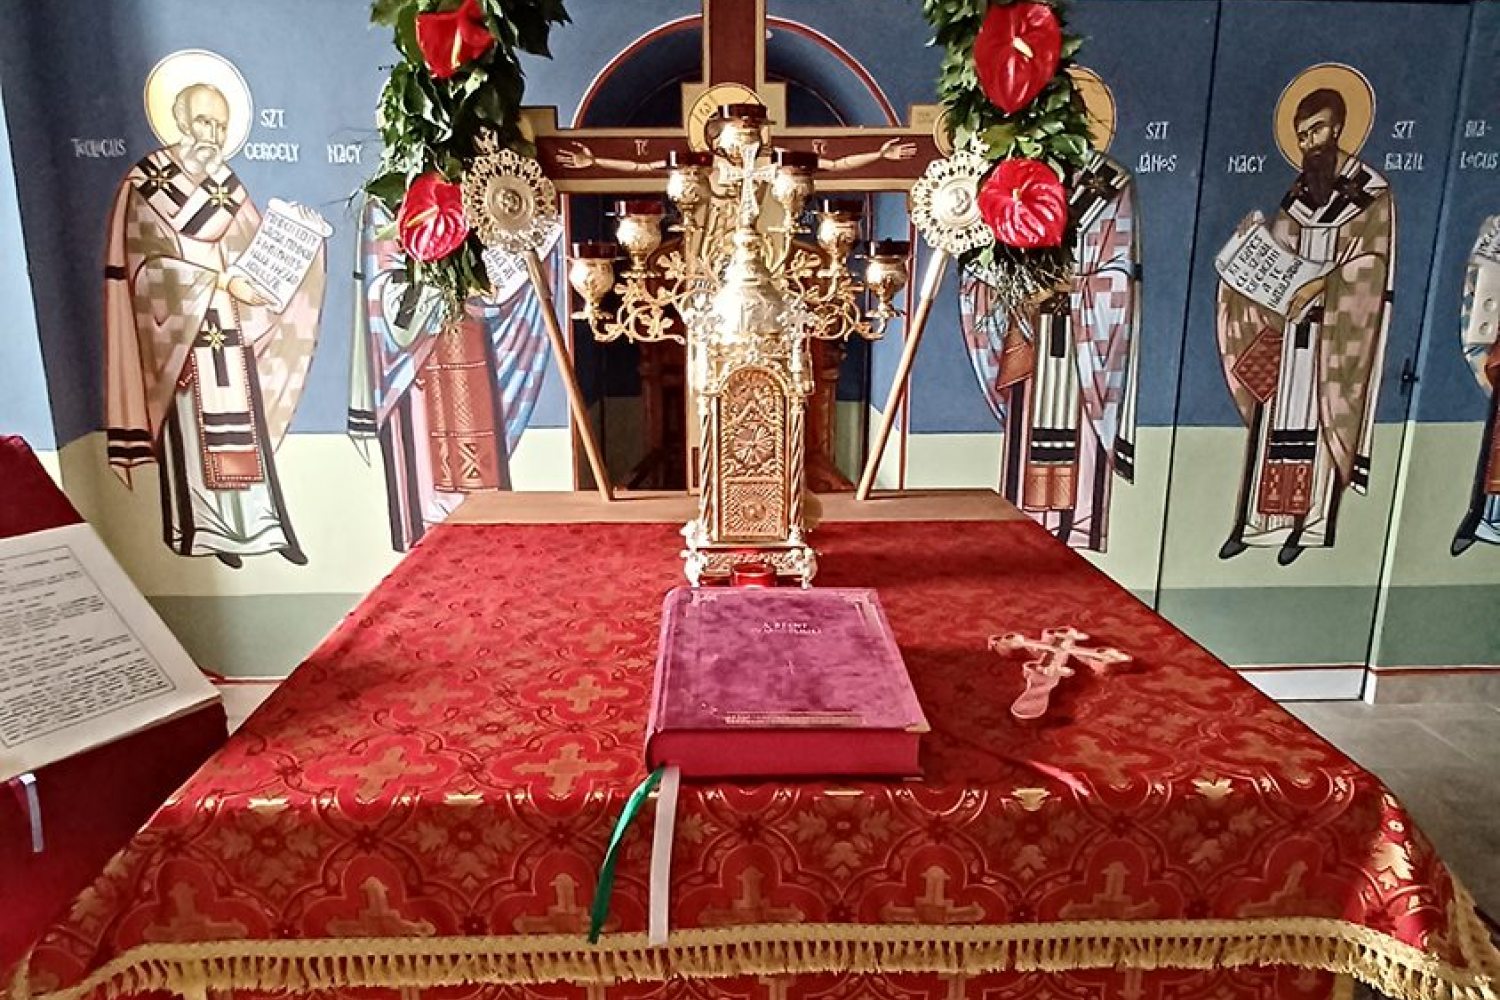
{"x":1396,"y":969}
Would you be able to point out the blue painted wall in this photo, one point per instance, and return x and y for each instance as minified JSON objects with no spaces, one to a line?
{"x":1447,"y":390}
{"x":24,"y":408}
{"x":59,"y":91}
{"x":1410,"y":54}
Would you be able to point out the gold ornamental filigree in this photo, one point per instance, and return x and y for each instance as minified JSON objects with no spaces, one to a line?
{"x":945,"y":204}
{"x":747,"y":297}
{"x":650,"y":310}
{"x":509,"y":202}
{"x":1468,"y":968}
{"x":754,"y":407}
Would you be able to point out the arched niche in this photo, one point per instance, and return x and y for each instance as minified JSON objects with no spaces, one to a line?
{"x":641,"y":87}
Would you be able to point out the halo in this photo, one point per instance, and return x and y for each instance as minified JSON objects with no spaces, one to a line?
{"x":942,"y":133}
{"x":1098,"y":102}
{"x":185,"y":68}
{"x":1359,"y":104}
{"x":705,"y":107}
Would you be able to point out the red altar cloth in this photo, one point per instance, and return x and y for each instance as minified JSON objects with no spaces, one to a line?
{"x":426,"y":801}
{"x":93,"y":802}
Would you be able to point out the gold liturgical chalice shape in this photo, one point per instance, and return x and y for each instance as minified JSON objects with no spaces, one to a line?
{"x":793,"y":184}
{"x":639,"y":229}
{"x":688,"y":184}
{"x":886,"y":275}
{"x":749,"y":282}
{"x":592,"y":274}
{"x":742,"y":125}
{"x":838,"y":228}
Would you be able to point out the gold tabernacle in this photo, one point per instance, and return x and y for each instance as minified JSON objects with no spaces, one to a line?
{"x":735,"y":279}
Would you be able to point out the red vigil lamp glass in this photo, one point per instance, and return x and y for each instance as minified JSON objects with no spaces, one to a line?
{"x":689,"y":158}
{"x":752,"y":573}
{"x":796,"y":159}
{"x":749,"y":111}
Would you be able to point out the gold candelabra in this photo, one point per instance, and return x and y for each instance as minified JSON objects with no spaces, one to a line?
{"x":746,"y":295}
{"x":707,"y":189}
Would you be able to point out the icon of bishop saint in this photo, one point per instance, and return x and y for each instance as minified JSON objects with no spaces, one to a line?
{"x":202,"y":375}
{"x":1481,"y":346}
{"x":1305,"y":376}
{"x":1061,"y":374}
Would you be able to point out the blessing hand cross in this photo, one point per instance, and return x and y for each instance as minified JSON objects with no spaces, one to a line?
{"x":749,"y":175}
{"x":1050,"y":664}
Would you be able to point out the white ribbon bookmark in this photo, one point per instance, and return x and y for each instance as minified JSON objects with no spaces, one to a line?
{"x":26,"y":785}
{"x":661,"y":855}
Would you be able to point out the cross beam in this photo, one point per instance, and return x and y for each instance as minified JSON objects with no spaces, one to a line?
{"x":628,"y":160}
{"x":645,"y":150}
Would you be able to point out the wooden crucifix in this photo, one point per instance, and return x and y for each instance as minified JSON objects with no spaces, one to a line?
{"x":634,"y":160}
{"x":1050,"y":664}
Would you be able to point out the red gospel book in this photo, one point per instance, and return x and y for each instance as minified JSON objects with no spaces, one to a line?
{"x":767,"y":682}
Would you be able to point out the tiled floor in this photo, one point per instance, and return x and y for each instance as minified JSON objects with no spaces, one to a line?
{"x":1443,"y":762}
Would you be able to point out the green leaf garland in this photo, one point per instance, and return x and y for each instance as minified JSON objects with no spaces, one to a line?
{"x":1053,"y":128}
{"x":430,"y":124}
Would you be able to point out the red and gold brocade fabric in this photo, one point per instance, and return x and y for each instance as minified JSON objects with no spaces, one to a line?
{"x":444,"y":771}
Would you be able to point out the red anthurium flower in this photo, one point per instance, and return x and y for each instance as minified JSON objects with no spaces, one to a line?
{"x":1017,"y":52}
{"x":431,"y":221}
{"x":1024,"y":204}
{"x":449,"y":39}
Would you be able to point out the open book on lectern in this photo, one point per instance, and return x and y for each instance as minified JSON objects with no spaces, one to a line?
{"x":84,"y":659}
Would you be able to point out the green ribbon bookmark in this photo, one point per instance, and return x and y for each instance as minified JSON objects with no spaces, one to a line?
{"x":606,"y":884}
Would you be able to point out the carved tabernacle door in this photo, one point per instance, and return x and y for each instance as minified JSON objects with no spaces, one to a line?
{"x":754,"y":425}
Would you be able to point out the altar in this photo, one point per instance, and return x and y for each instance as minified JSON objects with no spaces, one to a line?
{"x":424,"y":804}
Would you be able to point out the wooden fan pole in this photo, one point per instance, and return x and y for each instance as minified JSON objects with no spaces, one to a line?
{"x":570,"y":380}
{"x":937,"y":264}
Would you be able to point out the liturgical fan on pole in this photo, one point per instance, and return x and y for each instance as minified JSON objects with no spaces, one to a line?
{"x":945,"y":209}
{"x":513,"y":207}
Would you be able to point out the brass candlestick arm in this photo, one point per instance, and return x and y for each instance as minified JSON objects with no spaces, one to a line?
{"x":747,"y":294}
